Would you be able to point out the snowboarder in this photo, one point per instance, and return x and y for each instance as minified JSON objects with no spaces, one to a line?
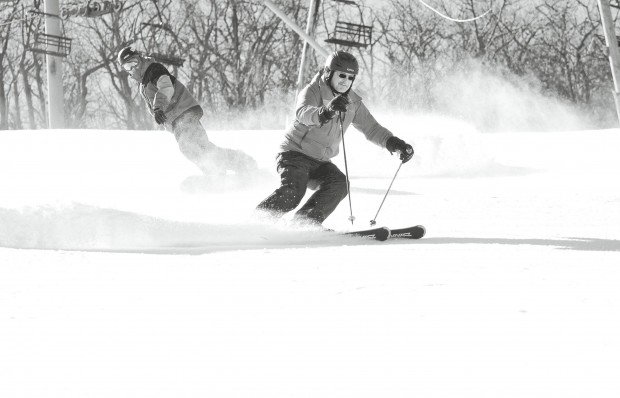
{"x":172,"y":106}
{"x":325,"y":109}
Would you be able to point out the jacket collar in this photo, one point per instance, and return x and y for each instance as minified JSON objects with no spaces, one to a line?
{"x":140,"y":70}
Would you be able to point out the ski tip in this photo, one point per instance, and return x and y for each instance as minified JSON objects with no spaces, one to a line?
{"x":422,"y":231}
{"x":415,"y":232}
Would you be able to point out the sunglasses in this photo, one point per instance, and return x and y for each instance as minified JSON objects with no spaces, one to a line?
{"x":345,"y":76}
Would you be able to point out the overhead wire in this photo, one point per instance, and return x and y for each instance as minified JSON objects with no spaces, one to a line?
{"x":454,"y":19}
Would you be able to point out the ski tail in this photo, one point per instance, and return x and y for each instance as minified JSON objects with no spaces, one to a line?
{"x":380,"y":234}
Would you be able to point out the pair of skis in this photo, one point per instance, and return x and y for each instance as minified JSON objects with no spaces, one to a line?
{"x":384,"y":233}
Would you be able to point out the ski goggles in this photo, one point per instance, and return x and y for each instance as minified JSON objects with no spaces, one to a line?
{"x":346,"y":76}
{"x":128,"y":66}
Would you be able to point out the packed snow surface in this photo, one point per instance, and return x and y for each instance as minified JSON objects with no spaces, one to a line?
{"x":124,"y":274}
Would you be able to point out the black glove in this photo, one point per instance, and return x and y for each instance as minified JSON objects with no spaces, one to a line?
{"x":160,"y":116}
{"x":337,"y":104}
{"x":395,"y":144}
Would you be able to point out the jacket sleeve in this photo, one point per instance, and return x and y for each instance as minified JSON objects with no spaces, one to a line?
{"x":366,"y":123}
{"x":165,"y":91}
{"x":308,"y":105}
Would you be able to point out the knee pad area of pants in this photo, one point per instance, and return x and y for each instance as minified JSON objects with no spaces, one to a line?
{"x":340,"y":187}
{"x":292,"y":193}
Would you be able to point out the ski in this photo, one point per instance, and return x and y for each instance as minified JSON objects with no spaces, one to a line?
{"x":384,"y":233}
{"x":415,"y":232}
{"x":380,"y":234}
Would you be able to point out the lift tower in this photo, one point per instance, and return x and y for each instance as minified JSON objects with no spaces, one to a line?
{"x":55,"y":95}
{"x":612,"y":46}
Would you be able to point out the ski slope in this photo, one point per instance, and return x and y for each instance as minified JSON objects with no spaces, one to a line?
{"x":121,"y":275}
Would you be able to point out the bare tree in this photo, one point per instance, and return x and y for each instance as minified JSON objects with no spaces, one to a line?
{"x":96,"y":78}
{"x":412,"y":41}
{"x":27,"y":63}
{"x":8,"y":14}
{"x":237,"y":54}
{"x":561,"y":58}
{"x":246,"y":57}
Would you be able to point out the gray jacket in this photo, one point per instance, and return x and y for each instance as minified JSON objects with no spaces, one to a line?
{"x":322,"y":142}
{"x":181,"y":100}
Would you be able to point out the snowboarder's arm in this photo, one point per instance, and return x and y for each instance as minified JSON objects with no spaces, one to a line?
{"x":165,"y":90}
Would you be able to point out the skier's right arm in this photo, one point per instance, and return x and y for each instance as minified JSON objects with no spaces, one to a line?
{"x":308,"y":107}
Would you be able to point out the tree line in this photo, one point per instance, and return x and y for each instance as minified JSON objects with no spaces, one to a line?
{"x":238,"y":57}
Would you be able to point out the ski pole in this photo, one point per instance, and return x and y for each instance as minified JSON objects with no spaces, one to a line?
{"x":346,"y":169}
{"x":374,"y":220}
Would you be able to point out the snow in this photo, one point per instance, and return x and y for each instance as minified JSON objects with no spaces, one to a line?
{"x":119,"y":276}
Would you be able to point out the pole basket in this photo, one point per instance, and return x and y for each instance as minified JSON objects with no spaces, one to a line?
{"x":351,"y":35}
{"x":51,"y":44}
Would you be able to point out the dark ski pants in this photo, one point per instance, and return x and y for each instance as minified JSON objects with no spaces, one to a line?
{"x":210,"y":158}
{"x":298,"y":171}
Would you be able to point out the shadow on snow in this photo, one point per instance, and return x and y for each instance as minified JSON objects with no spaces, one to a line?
{"x":581,"y":244}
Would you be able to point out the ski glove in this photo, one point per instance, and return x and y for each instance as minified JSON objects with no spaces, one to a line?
{"x":395,"y":144}
{"x":337,"y":104}
{"x":160,"y":116}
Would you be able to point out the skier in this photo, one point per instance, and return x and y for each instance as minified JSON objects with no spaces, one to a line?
{"x":325,"y":109}
{"x":173,"y":106}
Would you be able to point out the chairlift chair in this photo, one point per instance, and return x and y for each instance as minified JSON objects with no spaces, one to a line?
{"x":44,"y":43}
{"x":350,"y":35}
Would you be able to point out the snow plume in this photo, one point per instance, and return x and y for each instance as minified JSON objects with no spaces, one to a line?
{"x":444,"y":147}
{"x":271,"y":114}
{"x":497,"y":100}
{"x":91,"y":228}
{"x":488,"y":97}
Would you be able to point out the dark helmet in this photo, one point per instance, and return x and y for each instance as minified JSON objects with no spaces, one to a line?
{"x":342,"y":60}
{"x":126,"y":55}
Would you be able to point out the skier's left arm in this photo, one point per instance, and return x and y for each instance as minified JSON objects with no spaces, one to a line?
{"x":375,"y":132}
